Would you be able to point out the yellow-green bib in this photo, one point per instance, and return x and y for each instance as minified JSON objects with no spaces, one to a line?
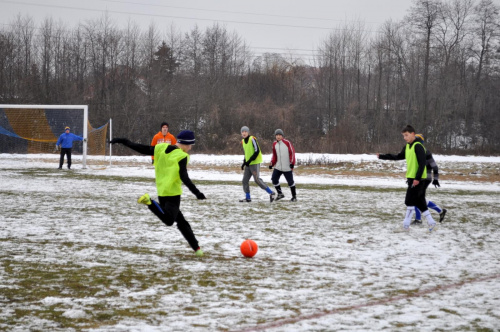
{"x":412,"y":162}
{"x":249,"y":150}
{"x":168,"y":180}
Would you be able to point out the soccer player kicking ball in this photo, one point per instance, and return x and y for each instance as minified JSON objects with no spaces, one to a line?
{"x":416,"y":173}
{"x":170,"y":172}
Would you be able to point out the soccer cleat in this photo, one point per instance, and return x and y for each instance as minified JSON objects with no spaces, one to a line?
{"x":144,"y":199}
{"x":59,"y":168}
{"x":271,"y":197}
{"x":280,"y":196}
{"x":441,"y":215}
{"x":294,"y":199}
{"x":416,"y":222}
{"x":199,"y":253}
{"x":245,"y":200}
{"x":432,"y":227}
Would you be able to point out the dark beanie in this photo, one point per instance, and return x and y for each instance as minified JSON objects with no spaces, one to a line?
{"x":164,"y":124}
{"x":186,"y":137}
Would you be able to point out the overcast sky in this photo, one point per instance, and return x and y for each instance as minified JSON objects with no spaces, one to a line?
{"x":280,"y":26}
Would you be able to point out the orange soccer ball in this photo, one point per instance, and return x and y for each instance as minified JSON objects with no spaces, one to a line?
{"x":249,"y":248}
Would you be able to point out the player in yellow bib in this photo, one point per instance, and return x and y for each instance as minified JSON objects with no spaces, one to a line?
{"x":416,"y":173}
{"x":251,"y":165}
{"x":170,"y":171}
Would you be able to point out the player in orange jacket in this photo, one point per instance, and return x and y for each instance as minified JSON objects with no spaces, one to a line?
{"x":163,"y":136}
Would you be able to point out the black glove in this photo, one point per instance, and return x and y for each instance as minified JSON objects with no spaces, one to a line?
{"x":243,"y":166}
{"x":270,"y":166}
{"x":200,"y":196}
{"x":292,"y":166}
{"x":436,"y":183}
{"x":152,"y":161}
{"x":119,"y":140}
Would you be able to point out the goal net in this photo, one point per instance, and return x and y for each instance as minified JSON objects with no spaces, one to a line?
{"x":36,"y":128}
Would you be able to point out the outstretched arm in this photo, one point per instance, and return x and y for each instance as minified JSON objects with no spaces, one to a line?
{"x":141,"y":148}
{"x":399,"y":156}
{"x":187,"y":181}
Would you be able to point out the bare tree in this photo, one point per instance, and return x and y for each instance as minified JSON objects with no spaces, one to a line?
{"x":424,"y":15}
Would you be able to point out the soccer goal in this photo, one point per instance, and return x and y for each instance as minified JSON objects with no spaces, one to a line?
{"x":36,"y":128}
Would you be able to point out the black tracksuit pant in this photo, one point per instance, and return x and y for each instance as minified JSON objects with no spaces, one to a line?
{"x":67,"y":152}
{"x":168,"y":212}
{"x":415,"y":196}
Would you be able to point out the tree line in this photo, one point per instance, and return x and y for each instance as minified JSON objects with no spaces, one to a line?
{"x":437,"y":69}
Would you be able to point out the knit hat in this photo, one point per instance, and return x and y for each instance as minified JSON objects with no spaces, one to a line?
{"x":164,"y":124}
{"x":186,"y":137}
{"x":278,"y":132}
{"x":66,"y":128}
{"x":420,"y":136}
{"x":245,"y":128}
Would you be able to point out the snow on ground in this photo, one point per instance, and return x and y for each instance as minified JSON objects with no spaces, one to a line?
{"x":78,"y":252}
{"x":476,"y":163}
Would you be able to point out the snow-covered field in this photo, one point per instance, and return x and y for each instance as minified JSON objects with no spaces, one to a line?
{"x":78,"y":253}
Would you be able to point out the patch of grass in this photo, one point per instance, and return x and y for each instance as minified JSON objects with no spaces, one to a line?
{"x":231,"y":296}
{"x":405,"y":292}
{"x":448,"y":311}
{"x":191,"y":311}
{"x":401,"y":325}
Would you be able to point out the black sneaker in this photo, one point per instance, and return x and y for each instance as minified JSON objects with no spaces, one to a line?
{"x":441,"y":215}
{"x":271,"y":197}
{"x":280,"y":196}
{"x":245,"y":200}
{"x":416,"y":222}
{"x":294,"y":199}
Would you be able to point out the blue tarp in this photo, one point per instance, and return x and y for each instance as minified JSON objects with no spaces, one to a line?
{"x":4,"y":131}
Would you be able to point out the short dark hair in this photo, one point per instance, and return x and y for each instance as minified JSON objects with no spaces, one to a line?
{"x":164,"y":124}
{"x":408,"y":129}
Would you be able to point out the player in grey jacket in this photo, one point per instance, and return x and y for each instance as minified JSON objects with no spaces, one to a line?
{"x":283,"y":161}
{"x":432,"y":177}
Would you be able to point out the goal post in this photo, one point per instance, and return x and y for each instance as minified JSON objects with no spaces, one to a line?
{"x":36,"y":129}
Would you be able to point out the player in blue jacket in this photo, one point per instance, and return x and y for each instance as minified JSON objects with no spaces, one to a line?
{"x":66,"y":142}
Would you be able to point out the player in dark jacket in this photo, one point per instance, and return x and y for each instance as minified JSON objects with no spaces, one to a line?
{"x":414,"y":153}
{"x":432,"y":177}
{"x":170,"y":172}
